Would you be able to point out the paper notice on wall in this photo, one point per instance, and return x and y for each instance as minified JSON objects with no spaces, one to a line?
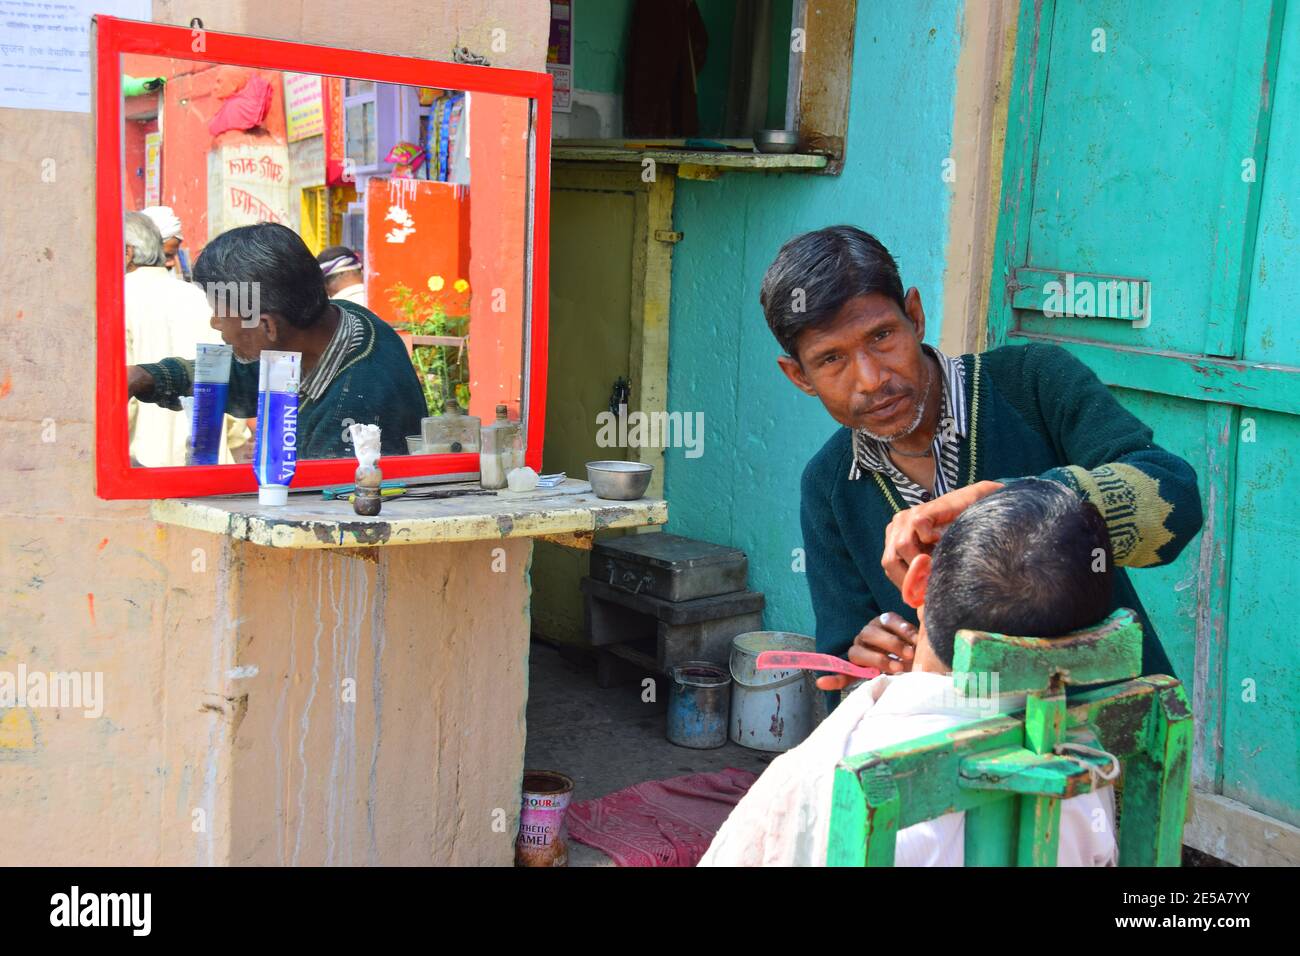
{"x":561,"y":87}
{"x":304,"y":108}
{"x":45,"y":50}
{"x":153,"y":169}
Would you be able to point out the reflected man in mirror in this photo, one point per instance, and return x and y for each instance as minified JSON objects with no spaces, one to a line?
{"x":163,"y":317}
{"x":343,"y":274}
{"x":266,"y":291}
{"x":169,"y":225}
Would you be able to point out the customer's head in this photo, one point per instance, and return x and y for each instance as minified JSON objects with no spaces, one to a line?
{"x":852,"y":337}
{"x":1032,"y":559}
{"x":341,"y":268}
{"x":264,"y":285}
{"x":169,"y":226}
{"x":143,"y":243}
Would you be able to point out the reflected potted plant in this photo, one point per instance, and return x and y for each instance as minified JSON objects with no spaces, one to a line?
{"x":435,"y":325}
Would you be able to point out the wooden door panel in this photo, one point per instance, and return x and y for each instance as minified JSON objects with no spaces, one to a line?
{"x":592,"y":234}
{"x":1272,"y":333}
{"x":1129,"y":177}
{"x":1171,"y":159}
{"x":1261,"y":694}
{"x":1261,"y":743}
{"x":591,"y":335}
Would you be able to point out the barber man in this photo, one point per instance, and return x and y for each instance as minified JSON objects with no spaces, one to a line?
{"x":926,"y":434}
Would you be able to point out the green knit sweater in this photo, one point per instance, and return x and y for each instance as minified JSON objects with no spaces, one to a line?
{"x":1035,"y":410}
{"x":376,"y":385}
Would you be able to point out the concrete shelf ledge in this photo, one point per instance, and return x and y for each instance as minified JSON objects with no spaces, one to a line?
{"x":309,"y":522}
{"x":687,"y":157}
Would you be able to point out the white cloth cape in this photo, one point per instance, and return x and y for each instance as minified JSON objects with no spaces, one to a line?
{"x":784,"y":818}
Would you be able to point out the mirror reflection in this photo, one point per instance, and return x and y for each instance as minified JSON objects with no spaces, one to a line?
{"x":377,"y":232}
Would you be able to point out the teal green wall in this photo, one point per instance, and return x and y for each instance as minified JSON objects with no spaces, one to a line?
{"x":600,"y":44}
{"x":759,"y":430}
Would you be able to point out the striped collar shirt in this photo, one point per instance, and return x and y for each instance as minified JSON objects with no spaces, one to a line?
{"x":347,"y":338}
{"x":869,"y":454}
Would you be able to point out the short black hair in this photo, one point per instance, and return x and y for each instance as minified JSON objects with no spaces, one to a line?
{"x":333,"y":252}
{"x":1024,"y":562}
{"x":815,"y":274}
{"x":287,"y":276}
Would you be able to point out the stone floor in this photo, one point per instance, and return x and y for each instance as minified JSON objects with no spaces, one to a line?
{"x":607,"y":739}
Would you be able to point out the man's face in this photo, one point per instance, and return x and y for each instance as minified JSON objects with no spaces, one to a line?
{"x":171,"y":247}
{"x":866,"y":365}
{"x":247,"y":337}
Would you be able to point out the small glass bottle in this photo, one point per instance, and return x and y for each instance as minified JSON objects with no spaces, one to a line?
{"x":451,"y":432}
{"x":501,"y":450}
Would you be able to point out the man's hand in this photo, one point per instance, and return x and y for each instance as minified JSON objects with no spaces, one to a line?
{"x":139,"y":383}
{"x":917,"y":530}
{"x":883,"y":636}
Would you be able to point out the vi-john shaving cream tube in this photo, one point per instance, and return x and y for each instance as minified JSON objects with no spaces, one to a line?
{"x":276,"y":453}
{"x":211,"y":383}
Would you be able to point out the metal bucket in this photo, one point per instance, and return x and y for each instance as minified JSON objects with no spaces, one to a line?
{"x":542,"y":839}
{"x":697,"y":705}
{"x":771,"y":710}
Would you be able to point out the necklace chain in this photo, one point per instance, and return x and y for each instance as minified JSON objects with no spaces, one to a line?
{"x":928,"y":453}
{"x":885,"y":486}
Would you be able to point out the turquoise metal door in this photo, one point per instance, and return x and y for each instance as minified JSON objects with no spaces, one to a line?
{"x":1150,"y":223}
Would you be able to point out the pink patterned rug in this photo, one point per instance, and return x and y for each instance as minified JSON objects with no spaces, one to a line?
{"x":660,"y":822}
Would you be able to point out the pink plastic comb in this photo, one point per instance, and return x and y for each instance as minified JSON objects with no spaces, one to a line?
{"x":808,"y":661}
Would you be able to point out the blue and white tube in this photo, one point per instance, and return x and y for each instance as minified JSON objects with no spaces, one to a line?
{"x":211,"y":383}
{"x":276,"y":452}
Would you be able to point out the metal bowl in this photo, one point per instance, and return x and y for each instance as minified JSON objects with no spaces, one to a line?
{"x":619,"y":480}
{"x":776,"y":141}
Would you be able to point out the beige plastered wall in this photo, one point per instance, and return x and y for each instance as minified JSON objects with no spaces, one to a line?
{"x":988,"y":32}
{"x":222,"y":739}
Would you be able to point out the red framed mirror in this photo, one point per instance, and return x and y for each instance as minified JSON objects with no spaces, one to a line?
{"x":420,"y":191}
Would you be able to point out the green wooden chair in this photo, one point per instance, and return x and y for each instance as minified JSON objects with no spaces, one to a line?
{"x":1009,"y":773}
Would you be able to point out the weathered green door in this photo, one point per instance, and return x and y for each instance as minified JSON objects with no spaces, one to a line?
{"x":610,"y":272}
{"x":590,"y":342}
{"x":1151,"y":157}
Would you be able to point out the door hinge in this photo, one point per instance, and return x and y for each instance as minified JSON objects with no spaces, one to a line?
{"x":667,"y":235}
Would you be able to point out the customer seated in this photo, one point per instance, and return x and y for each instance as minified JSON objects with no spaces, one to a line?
{"x":1032,"y":559}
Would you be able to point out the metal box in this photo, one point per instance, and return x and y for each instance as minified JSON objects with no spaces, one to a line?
{"x":668,"y":566}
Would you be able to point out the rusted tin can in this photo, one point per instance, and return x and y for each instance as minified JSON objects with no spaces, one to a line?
{"x":698,"y":702}
{"x":543,"y":840}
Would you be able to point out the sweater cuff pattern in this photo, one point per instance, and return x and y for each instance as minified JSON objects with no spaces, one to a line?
{"x":1130,"y":501}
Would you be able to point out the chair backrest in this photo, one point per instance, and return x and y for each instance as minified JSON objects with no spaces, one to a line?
{"x":1010,"y":773}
